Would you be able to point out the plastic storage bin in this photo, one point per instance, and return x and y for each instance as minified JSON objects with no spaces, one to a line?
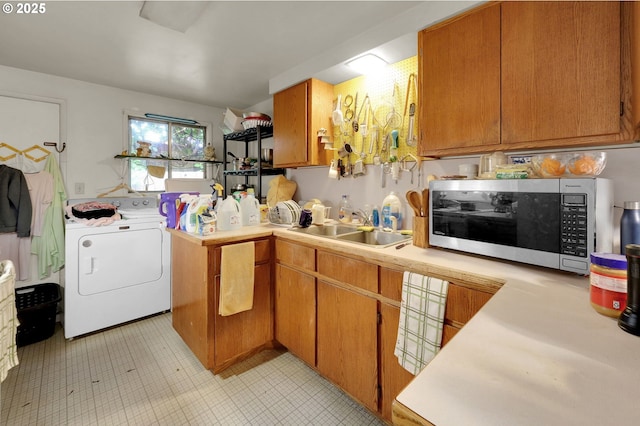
{"x":37,"y":306}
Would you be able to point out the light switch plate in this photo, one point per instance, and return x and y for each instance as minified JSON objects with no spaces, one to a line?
{"x":79,"y":187}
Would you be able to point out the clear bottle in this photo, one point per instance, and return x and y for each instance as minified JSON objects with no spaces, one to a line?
{"x":229,"y":218}
{"x":345,"y":210}
{"x":630,"y":225}
{"x":250,"y":209}
{"x":392,"y":206}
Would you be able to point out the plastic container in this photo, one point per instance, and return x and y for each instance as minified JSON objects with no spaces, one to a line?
{"x":37,"y":307}
{"x":228,"y":215}
{"x":183,"y":208}
{"x":608,"y":281}
{"x":345,"y":210}
{"x":250,"y":210}
{"x":630,"y":225}
{"x":587,"y":164}
{"x":392,"y":206}
{"x":197,"y":206}
{"x":168,"y":207}
{"x":549,"y":165}
{"x":318,"y":214}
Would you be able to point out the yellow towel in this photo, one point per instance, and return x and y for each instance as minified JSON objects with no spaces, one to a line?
{"x":236,"y":278}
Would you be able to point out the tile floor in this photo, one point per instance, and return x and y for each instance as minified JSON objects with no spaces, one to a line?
{"x":143,"y":374}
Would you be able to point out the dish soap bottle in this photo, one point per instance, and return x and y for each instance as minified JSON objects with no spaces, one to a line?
{"x":375,"y":217}
{"x":345,"y":210}
{"x":392,"y":206}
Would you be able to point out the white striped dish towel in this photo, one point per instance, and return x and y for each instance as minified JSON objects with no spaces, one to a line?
{"x":8,"y":319}
{"x":421,"y":320}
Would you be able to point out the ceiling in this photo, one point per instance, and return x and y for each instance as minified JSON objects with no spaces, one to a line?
{"x":236,"y":53}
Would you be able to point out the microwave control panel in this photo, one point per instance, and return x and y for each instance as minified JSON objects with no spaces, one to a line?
{"x":574,"y":225}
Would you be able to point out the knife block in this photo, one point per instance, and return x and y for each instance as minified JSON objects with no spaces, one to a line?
{"x":421,"y":231}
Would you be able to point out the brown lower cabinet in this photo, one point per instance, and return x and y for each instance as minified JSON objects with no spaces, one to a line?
{"x":217,"y":341}
{"x":340,"y":315}
{"x":393,"y":378}
{"x":347,"y":344}
{"x":295,"y":312}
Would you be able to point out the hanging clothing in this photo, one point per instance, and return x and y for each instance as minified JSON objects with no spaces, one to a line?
{"x":15,"y":202}
{"x":50,"y":245}
{"x":41,"y":192}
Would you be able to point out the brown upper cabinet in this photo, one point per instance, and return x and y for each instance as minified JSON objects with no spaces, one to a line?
{"x":298,"y":113}
{"x":527,"y":75}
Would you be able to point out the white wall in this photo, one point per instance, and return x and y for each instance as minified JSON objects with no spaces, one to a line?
{"x":94,"y":125}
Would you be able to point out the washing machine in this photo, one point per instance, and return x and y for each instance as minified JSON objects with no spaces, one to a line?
{"x":118,"y":272}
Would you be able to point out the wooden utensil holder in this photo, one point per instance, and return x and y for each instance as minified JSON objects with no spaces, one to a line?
{"x":421,"y":231}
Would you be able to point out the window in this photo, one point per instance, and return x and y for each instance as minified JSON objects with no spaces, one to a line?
{"x":165,"y":138}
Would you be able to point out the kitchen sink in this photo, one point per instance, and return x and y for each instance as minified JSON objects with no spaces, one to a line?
{"x":374,"y":238}
{"x":326,"y":230}
{"x":379,"y":239}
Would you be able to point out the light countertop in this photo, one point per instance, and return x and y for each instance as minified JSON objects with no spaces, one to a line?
{"x":536,"y":353}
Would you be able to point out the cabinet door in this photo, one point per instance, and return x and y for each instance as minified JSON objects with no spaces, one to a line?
{"x":350,"y":271}
{"x":191,"y":296}
{"x":347,"y":342}
{"x":393,"y":378}
{"x":290,"y":126}
{"x":560,"y":70}
{"x":241,"y":334}
{"x":460,"y":82}
{"x":295,"y":312}
{"x":298,"y":113}
{"x":463,"y":303}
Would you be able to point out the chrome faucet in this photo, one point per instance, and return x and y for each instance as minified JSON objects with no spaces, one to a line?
{"x":363,"y":215}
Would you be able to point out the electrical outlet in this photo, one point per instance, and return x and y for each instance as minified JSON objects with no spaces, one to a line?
{"x":79,"y":188}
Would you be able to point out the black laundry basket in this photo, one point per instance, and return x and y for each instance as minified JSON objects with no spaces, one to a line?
{"x":37,"y":306}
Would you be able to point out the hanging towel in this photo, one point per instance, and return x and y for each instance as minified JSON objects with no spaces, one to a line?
{"x":49,"y":247}
{"x":236,"y":278}
{"x":8,"y":319}
{"x":421,"y":319}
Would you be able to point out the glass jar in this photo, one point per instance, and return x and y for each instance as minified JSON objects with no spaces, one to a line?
{"x":608,"y":279}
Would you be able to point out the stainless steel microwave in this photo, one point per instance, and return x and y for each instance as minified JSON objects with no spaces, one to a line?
{"x":556,"y":223}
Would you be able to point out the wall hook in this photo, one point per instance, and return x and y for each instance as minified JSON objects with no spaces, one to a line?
{"x":55,"y":145}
